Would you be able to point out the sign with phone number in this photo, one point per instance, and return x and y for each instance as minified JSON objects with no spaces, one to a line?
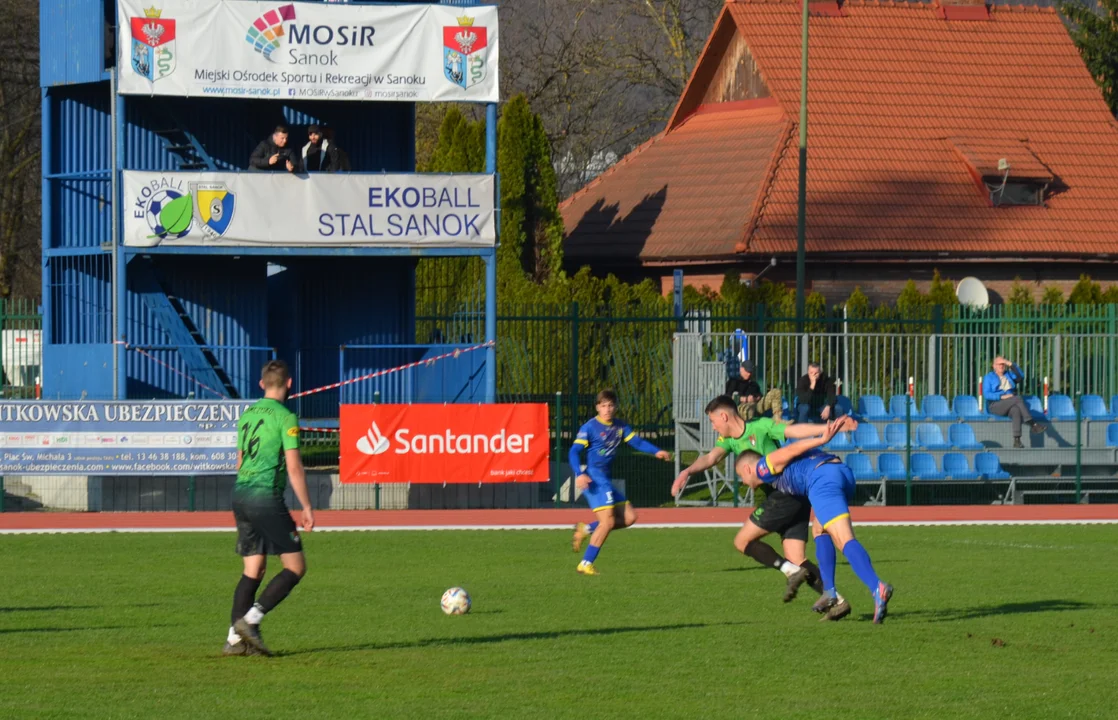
{"x":119,"y":438}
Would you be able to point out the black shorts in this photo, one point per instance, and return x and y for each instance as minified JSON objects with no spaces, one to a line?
{"x":264,"y":525}
{"x":786,"y":514}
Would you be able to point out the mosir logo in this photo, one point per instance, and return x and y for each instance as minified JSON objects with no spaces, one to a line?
{"x":444,"y":443}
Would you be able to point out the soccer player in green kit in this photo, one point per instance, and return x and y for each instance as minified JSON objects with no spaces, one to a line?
{"x":267,"y":458}
{"x":780,"y":512}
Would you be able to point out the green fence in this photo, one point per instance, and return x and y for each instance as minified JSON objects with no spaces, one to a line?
{"x":21,"y":327}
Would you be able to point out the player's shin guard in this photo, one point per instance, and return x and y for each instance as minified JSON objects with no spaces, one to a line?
{"x":279,"y":588}
{"x":825,"y":554}
{"x":764,"y":553}
{"x":860,"y":564}
{"x":244,"y":596}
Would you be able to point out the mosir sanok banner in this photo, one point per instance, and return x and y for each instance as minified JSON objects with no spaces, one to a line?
{"x":444,"y":443}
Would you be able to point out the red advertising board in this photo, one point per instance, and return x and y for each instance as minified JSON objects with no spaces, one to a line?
{"x":444,"y":443}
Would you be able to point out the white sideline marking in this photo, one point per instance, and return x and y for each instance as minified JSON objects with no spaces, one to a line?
{"x":564,"y":526}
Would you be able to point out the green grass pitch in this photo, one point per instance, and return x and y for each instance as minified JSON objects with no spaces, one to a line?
{"x":987,"y":622}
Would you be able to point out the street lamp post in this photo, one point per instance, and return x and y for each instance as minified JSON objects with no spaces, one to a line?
{"x":801,"y":219}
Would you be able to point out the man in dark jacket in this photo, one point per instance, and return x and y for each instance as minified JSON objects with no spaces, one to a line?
{"x":815,"y":396}
{"x":273,"y":154}
{"x":746,"y":392}
{"x":321,"y":155}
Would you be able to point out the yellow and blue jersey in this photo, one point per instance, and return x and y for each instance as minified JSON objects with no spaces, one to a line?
{"x":601,"y":441}
{"x":798,"y":476}
{"x":828,"y":485}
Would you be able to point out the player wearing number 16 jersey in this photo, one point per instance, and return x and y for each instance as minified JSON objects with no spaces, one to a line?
{"x":267,"y":457}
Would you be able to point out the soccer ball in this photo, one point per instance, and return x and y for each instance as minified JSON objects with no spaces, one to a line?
{"x":160,"y":223}
{"x":456,"y":601}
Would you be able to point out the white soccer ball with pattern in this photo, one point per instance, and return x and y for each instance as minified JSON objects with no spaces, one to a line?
{"x":456,"y":601}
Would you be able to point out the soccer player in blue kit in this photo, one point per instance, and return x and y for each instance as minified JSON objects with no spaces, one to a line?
{"x":601,"y":437}
{"x":802,"y":469}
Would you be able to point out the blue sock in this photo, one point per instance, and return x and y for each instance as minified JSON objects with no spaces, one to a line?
{"x":592,"y":527}
{"x":591,"y":553}
{"x":825,"y":554}
{"x":860,"y":563}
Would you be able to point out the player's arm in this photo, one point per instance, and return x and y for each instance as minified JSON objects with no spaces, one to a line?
{"x":296,"y":474}
{"x":803,"y":431}
{"x":703,"y":462}
{"x":779,"y":459}
{"x":641,"y":445}
{"x":574,"y":457}
{"x":240,"y":458}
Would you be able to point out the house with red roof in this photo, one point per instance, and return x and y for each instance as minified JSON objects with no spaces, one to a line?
{"x":968,"y":138}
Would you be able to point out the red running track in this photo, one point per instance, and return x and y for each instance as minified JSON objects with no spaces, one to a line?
{"x":542,"y":518}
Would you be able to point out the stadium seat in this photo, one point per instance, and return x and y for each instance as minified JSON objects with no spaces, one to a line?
{"x":891,"y":466}
{"x":866,"y":438}
{"x":1112,"y":435}
{"x":966,"y":407}
{"x":962,"y":437}
{"x":1036,"y":407}
{"x":871,"y":407}
{"x":930,"y":437}
{"x":897,"y":407}
{"x":1114,"y":406}
{"x":843,"y":406}
{"x":956,"y":467}
{"x":862,"y":467}
{"x":841,"y":441}
{"x":1061,"y":407}
{"x":896,"y":436}
{"x":989,"y":466}
{"x":1093,"y":407}
{"x":935,"y":407}
{"x":924,"y":467}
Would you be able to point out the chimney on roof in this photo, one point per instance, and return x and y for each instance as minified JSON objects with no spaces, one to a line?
{"x":962,"y":9}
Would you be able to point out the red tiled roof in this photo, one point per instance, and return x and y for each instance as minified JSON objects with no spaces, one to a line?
{"x":905,"y":108}
{"x":683,"y":193}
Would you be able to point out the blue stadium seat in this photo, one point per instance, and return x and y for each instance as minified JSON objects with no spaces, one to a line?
{"x":935,"y":407}
{"x":924,"y":467}
{"x":896,"y":436}
{"x":891,"y":465}
{"x":866,"y":438}
{"x":1061,"y":407}
{"x":1112,"y":435}
{"x":841,"y":441}
{"x":957,"y":467}
{"x":1094,"y":407}
{"x":896,"y":407}
{"x":871,"y":407}
{"x":843,"y":406}
{"x":1036,"y":407}
{"x":989,"y":466}
{"x":1114,"y":406}
{"x":930,"y":437}
{"x":966,"y":407}
{"x":862,"y":467}
{"x":962,"y":437}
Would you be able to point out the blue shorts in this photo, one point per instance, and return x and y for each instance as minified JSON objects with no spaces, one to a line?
{"x":601,"y":494}
{"x":831,"y":491}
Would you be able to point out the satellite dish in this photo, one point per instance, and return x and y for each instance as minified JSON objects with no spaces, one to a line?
{"x":972,"y":292}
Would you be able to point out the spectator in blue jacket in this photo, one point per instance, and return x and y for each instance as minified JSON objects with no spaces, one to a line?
{"x":1000,"y":389}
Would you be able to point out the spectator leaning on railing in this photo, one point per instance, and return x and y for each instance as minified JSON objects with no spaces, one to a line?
{"x":1000,"y":389}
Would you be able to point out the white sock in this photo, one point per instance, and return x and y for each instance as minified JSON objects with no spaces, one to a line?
{"x":233,"y":637}
{"x":254,"y":615}
{"x":789,"y":569}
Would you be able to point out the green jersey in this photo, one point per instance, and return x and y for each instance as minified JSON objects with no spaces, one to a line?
{"x":760,"y":436}
{"x":265,"y":431}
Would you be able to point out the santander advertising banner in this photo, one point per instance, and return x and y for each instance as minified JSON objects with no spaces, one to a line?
{"x":444,"y":443}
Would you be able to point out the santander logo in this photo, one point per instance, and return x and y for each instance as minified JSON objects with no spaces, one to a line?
{"x":372,"y":442}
